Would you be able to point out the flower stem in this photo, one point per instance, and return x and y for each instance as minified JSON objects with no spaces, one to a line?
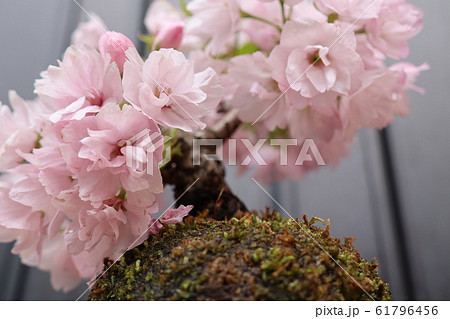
{"x":283,"y":14}
{"x":248,"y":15}
{"x":183,"y":5}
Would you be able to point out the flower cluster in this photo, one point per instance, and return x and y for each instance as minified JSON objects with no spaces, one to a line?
{"x":70,"y":197}
{"x":292,"y":69}
{"x":300,"y":68}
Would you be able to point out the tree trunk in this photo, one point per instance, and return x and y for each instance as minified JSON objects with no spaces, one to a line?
{"x":203,"y":185}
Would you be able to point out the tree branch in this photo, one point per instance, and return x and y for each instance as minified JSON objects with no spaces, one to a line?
{"x":211,"y":191}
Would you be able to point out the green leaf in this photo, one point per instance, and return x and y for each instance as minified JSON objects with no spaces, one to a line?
{"x":148,"y":40}
{"x":247,"y":48}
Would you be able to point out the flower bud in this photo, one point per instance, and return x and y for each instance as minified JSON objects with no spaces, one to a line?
{"x":115,"y":44}
{"x":169,"y":36}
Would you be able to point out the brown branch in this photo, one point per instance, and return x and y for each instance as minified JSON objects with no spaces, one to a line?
{"x":223,"y":129}
{"x":211,"y":190}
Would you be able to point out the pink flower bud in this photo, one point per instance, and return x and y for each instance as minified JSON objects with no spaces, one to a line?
{"x":115,"y":44}
{"x":169,"y":36}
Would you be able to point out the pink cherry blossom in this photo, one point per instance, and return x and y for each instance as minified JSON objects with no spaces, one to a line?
{"x":215,"y":21}
{"x":48,"y":177}
{"x":307,"y":10}
{"x":162,"y":14}
{"x":169,"y":217}
{"x":412,"y":72}
{"x":99,"y":231}
{"x":88,"y":33}
{"x":175,"y":216}
{"x":350,"y":10}
{"x":66,"y":270}
{"x":155,"y":226}
{"x":397,"y":23}
{"x":372,"y":57}
{"x":275,"y":170}
{"x":74,"y":111}
{"x":115,"y":44}
{"x":15,"y":215}
{"x":97,"y":149}
{"x":29,"y":192}
{"x":166,"y":89}
{"x":20,"y":129}
{"x":255,"y":91}
{"x":7,"y":234}
{"x":203,"y":61}
{"x":83,"y":73}
{"x":262,"y":34}
{"x":332,"y":151}
{"x":110,"y":231}
{"x":167,"y":24}
{"x":381,"y":98}
{"x":31,"y":212}
{"x":26,"y":212}
{"x":337,"y":66}
{"x":169,"y":37}
{"x":319,"y":123}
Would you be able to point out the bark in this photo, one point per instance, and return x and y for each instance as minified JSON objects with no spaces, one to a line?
{"x":210,"y":191}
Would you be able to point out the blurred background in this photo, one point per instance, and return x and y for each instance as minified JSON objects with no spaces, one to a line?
{"x":392,"y":193}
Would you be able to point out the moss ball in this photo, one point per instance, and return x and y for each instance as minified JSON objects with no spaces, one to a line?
{"x":250,"y":258}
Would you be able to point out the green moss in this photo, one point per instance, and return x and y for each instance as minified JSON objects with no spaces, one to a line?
{"x":251,"y":258}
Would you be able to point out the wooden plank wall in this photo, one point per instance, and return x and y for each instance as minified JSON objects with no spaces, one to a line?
{"x":357,"y":195}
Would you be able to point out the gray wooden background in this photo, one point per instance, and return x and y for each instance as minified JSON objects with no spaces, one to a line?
{"x":392,"y":193}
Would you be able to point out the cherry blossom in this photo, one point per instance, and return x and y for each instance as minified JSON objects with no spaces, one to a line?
{"x":82,"y":74}
{"x":215,"y":21}
{"x":20,"y":129}
{"x":175,"y":216}
{"x":353,"y":11}
{"x":310,"y":60}
{"x":397,"y":22}
{"x":166,"y":88}
{"x":88,"y":33}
